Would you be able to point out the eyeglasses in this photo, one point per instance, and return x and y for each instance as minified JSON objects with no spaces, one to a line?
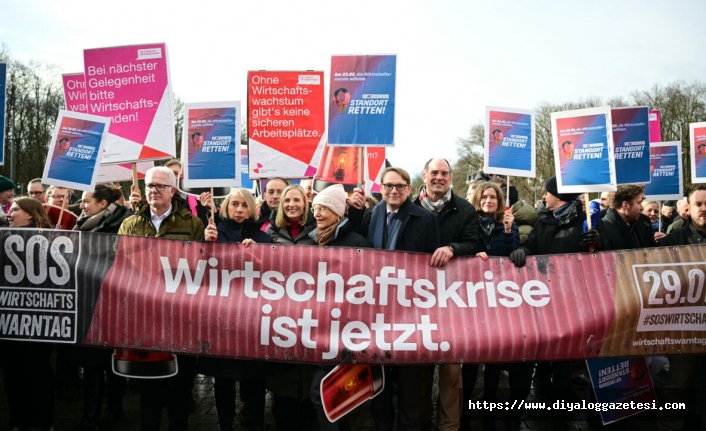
{"x":57,"y":196}
{"x":159,"y":187}
{"x":399,"y":187}
{"x":320,"y":209}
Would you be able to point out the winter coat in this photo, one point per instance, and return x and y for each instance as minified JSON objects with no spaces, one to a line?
{"x":676,"y":224}
{"x":685,"y":235}
{"x":419,"y":231}
{"x":459,"y":229}
{"x":345,"y":237}
{"x":284,"y":236}
{"x":179,"y":225}
{"x":109,"y":223}
{"x":549,"y":237}
{"x":616,"y":234}
{"x":525,"y":217}
{"x":231,"y":231}
{"x":499,"y":243}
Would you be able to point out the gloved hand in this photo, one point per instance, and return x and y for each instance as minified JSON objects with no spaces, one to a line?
{"x":518,"y":257}
{"x":591,"y":238}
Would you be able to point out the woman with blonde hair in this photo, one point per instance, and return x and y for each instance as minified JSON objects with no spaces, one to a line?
{"x":651,"y":210}
{"x":291,"y":222}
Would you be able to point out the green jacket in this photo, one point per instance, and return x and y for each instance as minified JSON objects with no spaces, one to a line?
{"x":525,"y":217}
{"x":179,"y":225}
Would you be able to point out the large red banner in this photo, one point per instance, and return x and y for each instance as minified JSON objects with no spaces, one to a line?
{"x":315,"y":304}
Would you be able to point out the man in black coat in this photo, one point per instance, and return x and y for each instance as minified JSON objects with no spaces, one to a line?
{"x":397,"y":224}
{"x":682,"y":368}
{"x":557,"y":232}
{"x":624,"y":226}
{"x":459,"y":236}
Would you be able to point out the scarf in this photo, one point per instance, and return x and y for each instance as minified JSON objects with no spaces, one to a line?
{"x":326,"y":235}
{"x":432,"y":206}
{"x":487,"y":225}
{"x":564,"y":213}
{"x":294,"y":227}
{"x":92,"y":222}
{"x":378,"y":223}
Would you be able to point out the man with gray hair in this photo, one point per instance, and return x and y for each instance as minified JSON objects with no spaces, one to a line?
{"x":37,"y":190}
{"x":161,"y":217}
{"x":683,"y":211}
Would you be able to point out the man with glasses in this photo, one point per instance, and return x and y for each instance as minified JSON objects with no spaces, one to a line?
{"x":397,"y":224}
{"x":459,"y":236}
{"x":37,"y":190}
{"x":161,"y":217}
{"x":56,"y":195}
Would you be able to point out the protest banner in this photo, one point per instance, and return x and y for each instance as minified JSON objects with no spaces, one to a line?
{"x":74,"y":156}
{"x":583,"y":150}
{"x":211,"y":144}
{"x":655,"y":126}
{"x":75,"y":97}
{"x":131,"y":85}
{"x":3,"y":100}
{"x":621,"y":380}
{"x":374,"y":165}
{"x":697,"y":134}
{"x":361,"y":101}
{"x":286,"y":125}
{"x":631,"y":139}
{"x":665,"y":172}
{"x":510,"y":142}
{"x":333,"y":305}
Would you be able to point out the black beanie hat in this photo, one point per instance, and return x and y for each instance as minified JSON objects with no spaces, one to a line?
{"x":550,"y":186}
{"x":6,"y":184}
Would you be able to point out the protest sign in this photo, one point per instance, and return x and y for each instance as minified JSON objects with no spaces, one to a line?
{"x":3,"y":91}
{"x":75,"y":97}
{"x":361,"y":102}
{"x":374,"y":165}
{"x":285,"y":123}
{"x":697,"y":134}
{"x":338,"y":165}
{"x":245,"y":181}
{"x":665,"y":172}
{"x":211,"y":144}
{"x":624,"y":382}
{"x":655,"y":126}
{"x":74,"y":154}
{"x":328,"y":305}
{"x":631,"y":138}
{"x":510,"y":142}
{"x":583,"y":150}
{"x":131,"y":85}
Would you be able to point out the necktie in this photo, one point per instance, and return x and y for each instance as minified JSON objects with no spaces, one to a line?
{"x":390,"y":216}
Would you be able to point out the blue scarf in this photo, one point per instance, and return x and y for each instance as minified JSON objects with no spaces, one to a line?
{"x":376,"y":232}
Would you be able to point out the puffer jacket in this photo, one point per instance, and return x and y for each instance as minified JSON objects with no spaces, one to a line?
{"x":284,"y":236}
{"x":179,"y":225}
{"x":525,"y":217}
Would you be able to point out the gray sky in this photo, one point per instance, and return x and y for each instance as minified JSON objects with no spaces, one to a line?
{"x":454,"y":57}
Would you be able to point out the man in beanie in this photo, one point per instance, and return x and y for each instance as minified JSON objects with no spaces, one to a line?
{"x":7,"y":192}
{"x":459,"y":235}
{"x":558,"y":231}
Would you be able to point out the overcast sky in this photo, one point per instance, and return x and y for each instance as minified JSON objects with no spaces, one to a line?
{"x":454,"y":57}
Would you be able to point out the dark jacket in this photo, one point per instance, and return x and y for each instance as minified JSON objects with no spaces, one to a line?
{"x":549,"y":237}
{"x":419,"y":231}
{"x":459,"y":229}
{"x":284,"y":236}
{"x":685,"y":235}
{"x":345,"y":237}
{"x":616,"y":234}
{"x":499,"y":243}
{"x":231,"y":231}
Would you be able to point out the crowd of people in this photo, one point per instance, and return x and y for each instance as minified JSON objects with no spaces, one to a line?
{"x":436,"y":221}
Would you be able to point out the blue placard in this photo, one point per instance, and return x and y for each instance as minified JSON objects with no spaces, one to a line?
{"x":631,"y":140}
{"x":362,"y":100}
{"x":665,"y":172}
{"x":3,"y":90}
